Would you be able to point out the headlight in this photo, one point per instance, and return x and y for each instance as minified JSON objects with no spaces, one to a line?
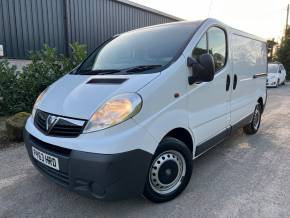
{"x":37,"y":102}
{"x":116,"y":110}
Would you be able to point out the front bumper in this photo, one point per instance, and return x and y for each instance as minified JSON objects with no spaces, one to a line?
{"x":103,"y":176}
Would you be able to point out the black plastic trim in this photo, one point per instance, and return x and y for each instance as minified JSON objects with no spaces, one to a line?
{"x":228,"y":83}
{"x":245,"y":121}
{"x":235,"y":82}
{"x":107,"y":81}
{"x":212,"y":142}
{"x":200,"y":149}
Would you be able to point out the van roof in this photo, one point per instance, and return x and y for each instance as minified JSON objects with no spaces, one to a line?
{"x":210,"y":21}
{"x":215,"y":21}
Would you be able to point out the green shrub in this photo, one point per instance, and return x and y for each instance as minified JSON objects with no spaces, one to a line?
{"x":20,"y":89}
{"x":8,"y":82}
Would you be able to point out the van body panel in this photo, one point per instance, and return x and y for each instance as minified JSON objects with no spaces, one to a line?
{"x":73,"y":96}
{"x":161,"y":115}
{"x":249,"y":57}
{"x":117,"y":139}
{"x":210,"y":114}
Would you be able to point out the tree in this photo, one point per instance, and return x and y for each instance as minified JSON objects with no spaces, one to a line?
{"x":284,"y":52}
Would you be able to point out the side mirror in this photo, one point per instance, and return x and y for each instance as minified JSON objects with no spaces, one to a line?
{"x":280,"y":71}
{"x":203,"y":69}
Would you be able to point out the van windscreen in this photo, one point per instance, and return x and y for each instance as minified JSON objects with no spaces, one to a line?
{"x":139,"y":50}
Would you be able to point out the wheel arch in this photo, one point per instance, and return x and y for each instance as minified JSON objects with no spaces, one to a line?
{"x":183,"y":135}
{"x":261,"y":102}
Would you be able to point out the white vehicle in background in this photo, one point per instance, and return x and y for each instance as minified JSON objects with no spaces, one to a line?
{"x":276,"y":74}
{"x":132,"y":117}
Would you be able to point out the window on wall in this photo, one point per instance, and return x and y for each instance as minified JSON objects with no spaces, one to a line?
{"x":214,"y":43}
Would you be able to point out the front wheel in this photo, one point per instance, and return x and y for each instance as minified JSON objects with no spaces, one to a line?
{"x":253,"y":127}
{"x":169,"y":172}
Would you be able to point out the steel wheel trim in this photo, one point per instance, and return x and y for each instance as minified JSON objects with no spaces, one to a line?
{"x":166,"y":164}
{"x":256,"y":119}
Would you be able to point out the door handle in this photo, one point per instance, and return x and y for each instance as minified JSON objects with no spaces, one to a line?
{"x":228,"y":82}
{"x":235,"y":81}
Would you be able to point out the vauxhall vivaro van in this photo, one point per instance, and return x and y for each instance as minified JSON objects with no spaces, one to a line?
{"x":130,"y":119}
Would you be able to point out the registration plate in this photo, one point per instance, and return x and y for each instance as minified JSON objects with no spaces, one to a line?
{"x":46,"y":159}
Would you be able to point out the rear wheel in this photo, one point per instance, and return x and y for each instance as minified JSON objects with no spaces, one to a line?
{"x":170,"y":171}
{"x":253,"y":127}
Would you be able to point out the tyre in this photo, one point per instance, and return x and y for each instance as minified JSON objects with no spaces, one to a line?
{"x":277,"y":84}
{"x":169,"y":172}
{"x":253,"y":127}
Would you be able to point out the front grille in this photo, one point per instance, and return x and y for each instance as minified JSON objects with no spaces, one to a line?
{"x":60,"y":177}
{"x":63,"y":127}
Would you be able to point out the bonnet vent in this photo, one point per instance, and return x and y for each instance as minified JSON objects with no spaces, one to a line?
{"x":106,"y":81}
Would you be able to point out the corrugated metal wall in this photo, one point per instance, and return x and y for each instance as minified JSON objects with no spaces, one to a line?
{"x":28,"y":24}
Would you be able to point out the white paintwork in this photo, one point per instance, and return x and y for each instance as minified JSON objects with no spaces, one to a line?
{"x":203,"y":109}
{"x":278,"y":77}
{"x":248,"y":59}
{"x":71,"y":96}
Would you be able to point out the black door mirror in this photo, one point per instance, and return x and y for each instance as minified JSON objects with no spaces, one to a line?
{"x":203,"y":69}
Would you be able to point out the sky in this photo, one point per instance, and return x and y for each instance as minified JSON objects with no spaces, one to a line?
{"x":264,"y":18}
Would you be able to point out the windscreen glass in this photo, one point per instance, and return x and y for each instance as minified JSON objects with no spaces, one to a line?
{"x":141,"y":49}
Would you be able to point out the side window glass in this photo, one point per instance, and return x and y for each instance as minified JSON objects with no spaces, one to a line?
{"x":201,"y":48}
{"x":217,"y":46}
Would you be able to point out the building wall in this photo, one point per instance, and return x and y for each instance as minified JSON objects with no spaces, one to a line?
{"x":28,"y":24}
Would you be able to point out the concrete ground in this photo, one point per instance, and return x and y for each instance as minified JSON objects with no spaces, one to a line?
{"x":245,"y":176}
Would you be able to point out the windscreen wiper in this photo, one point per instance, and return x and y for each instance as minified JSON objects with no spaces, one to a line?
{"x":97,"y":72}
{"x":141,"y":68}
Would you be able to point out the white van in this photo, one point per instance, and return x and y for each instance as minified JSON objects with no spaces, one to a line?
{"x":132,"y":117}
{"x":276,"y":75}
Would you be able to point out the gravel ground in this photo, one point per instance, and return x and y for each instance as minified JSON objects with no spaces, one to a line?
{"x":245,"y":176}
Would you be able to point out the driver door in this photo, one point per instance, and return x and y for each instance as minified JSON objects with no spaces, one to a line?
{"x":209,"y":102}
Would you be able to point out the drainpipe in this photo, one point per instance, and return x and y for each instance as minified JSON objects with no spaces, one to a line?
{"x":65,"y":21}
